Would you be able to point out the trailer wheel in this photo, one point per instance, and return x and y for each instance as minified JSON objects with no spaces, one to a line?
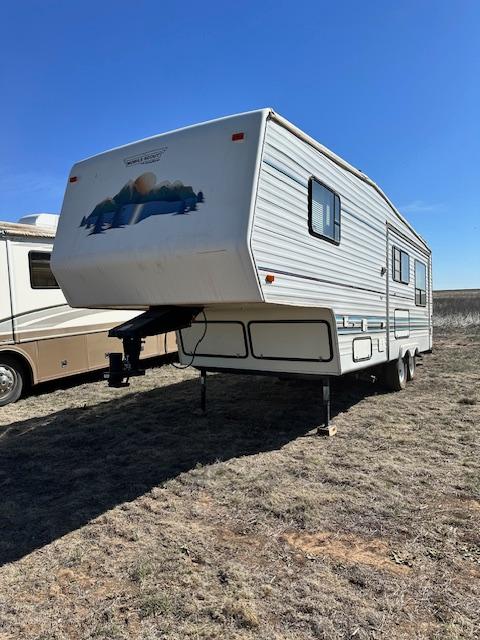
{"x":411,"y":365}
{"x":11,"y":380}
{"x":396,"y":374}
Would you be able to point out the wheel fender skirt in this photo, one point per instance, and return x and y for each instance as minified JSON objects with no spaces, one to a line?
{"x":406,"y":349}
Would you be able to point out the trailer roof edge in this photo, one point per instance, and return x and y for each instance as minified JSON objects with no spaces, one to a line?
{"x":345,"y":165}
{"x":266,"y":111}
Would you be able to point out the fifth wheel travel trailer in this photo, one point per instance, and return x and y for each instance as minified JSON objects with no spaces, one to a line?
{"x":41,"y":337}
{"x":267,"y":252}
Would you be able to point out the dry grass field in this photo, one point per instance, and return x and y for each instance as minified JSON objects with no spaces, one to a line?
{"x":124,"y":514}
{"x":457,"y":308}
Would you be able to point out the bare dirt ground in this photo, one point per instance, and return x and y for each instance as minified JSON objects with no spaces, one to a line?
{"x":124,"y":515}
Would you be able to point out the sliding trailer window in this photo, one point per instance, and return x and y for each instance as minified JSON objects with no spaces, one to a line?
{"x":323,"y":212}
{"x":41,"y":276}
{"x":400,"y":265}
{"x":420,"y":284}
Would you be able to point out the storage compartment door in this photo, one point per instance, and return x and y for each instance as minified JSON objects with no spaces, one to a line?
{"x":59,"y":357}
{"x":225,"y":339}
{"x":401,"y":319}
{"x":362,"y":349}
{"x":302,"y":340}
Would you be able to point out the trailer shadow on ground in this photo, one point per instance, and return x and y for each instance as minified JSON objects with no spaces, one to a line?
{"x":59,"y":471}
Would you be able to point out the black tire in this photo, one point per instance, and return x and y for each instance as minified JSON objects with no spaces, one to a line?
{"x":411,"y":361}
{"x":12,"y":379}
{"x":396,"y":374}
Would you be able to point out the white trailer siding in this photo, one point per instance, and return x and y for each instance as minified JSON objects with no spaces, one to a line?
{"x":409,"y":323}
{"x":351,"y":278}
{"x":309,"y":270}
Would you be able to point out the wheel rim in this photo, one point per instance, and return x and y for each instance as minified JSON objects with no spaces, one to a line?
{"x":401,"y":370}
{"x":8,"y":379}
{"x":411,"y":365}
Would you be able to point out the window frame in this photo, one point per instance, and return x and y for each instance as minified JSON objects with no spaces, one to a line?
{"x":30,"y":270}
{"x":336,"y":223}
{"x":401,"y":252}
{"x":417,"y":289}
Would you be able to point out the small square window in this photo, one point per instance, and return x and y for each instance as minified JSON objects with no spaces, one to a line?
{"x":323,"y":212}
{"x":41,"y":276}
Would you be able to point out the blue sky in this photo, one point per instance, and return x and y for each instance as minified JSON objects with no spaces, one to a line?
{"x":393,"y":87}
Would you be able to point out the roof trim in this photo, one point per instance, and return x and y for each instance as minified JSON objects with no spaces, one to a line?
{"x":14,"y":229}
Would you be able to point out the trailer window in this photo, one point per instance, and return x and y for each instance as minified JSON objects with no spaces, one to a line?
{"x":420,"y":284}
{"x":400,"y":266}
{"x":41,"y":276}
{"x":323,"y":212}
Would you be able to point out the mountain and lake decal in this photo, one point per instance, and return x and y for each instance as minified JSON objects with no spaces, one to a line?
{"x":140,"y":199}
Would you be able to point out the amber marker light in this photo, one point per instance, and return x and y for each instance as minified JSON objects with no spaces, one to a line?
{"x":269,"y":278}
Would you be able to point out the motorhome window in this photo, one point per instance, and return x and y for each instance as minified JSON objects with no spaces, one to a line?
{"x":323,"y":212}
{"x":41,"y":276}
{"x":420,"y":284}
{"x":400,"y":266}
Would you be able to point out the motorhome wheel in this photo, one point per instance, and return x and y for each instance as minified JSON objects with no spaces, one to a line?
{"x":11,"y":380}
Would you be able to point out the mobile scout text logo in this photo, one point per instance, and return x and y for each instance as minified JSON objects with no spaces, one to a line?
{"x":145,"y":158}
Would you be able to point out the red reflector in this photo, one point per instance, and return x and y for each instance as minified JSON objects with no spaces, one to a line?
{"x":270,"y":278}
{"x":238,"y":136}
{"x":73,"y":179}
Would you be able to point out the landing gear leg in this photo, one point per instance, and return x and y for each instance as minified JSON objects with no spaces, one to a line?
{"x":327,"y":429}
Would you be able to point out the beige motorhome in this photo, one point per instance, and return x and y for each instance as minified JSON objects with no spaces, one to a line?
{"x":41,"y":337}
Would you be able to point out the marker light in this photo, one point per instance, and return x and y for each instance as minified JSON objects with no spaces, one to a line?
{"x":269,"y":278}
{"x":73,"y":179}
{"x":236,"y":137}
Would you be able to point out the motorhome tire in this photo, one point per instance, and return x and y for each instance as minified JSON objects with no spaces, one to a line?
{"x":411,"y":365}
{"x":396,"y":374}
{"x":11,"y":380}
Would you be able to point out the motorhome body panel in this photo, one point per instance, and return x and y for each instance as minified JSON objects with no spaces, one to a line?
{"x":164,"y":220}
{"x":69,"y":355}
{"x":6,"y":325}
{"x":34,"y":310}
{"x":53,"y":358}
{"x":37,"y":327}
